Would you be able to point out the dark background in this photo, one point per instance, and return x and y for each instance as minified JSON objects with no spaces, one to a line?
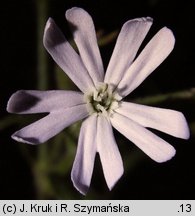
{"x":172,"y":180}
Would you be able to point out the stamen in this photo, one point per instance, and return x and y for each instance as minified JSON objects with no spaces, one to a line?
{"x":102,"y":100}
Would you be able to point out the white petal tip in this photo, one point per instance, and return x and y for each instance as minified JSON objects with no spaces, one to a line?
{"x":150,"y":19}
{"x":83,"y":189}
{"x":49,"y":23}
{"x":74,"y":13}
{"x":16,"y":102}
{"x":186,"y":130}
{"x":166,"y":156}
{"x":169,"y":36}
{"x":141,"y":19}
{"x":77,"y":15}
{"x":183,"y":130}
{"x":9,"y":104}
{"x":18,"y":139}
{"x":185,"y":133}
{"x":50,"y":27}
{"x":115,"y":179}
{"x":69,"y":11}
{"x":144,"y":19}
{"x":24,"y":140}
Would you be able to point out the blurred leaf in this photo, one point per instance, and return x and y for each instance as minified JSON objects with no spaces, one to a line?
{"x":180,"y":95}
{"x":63,"y":82}
{"x":8,"y":121}
{"x":43,"y":184}
{"x":192,"y":128}
{"x":108,"y":38}
{"x":42,"y":7}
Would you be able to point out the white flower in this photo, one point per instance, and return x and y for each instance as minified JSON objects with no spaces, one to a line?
{"x":100,"y":102}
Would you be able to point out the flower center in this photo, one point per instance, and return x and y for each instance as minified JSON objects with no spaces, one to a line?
{"x":102,"y":100}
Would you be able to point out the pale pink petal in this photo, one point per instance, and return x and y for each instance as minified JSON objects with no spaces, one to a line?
{"x":129,"y":40}
{"x":169,"y":121}
{"x":109,"y":153}
{"x":84,"y":161}
{"x":85,"y":37}
{"x":65,"y":56}
{"x":155,"y":147}
{"x":150,"y":58}
{"x":47,"y":127}
{"x":32,"y":101}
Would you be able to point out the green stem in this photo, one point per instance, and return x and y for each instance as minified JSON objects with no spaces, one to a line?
{"x":106,"y":39}
{"x":40,"y":167}
{"x":156,"y":99}
{"x":42,"y":58}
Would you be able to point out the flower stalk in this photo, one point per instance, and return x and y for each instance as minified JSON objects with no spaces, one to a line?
{"x":42,"y":58}
{"x":40,"y":169}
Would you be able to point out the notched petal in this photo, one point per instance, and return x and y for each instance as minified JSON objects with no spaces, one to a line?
{"x":128,"y":42}
{"x":50,"y":39}
{"x":154,"y":53}
{"x":155,"y":147}
{"x":65,"y":56}
{"x":34,"y":101}
{"x":86,"y":151}
{"x":169,"y":121}
{"x":28,"y":140}
{"x":21,"y":101}
{"x":84,"y":34}
{"x":42,"y":130}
